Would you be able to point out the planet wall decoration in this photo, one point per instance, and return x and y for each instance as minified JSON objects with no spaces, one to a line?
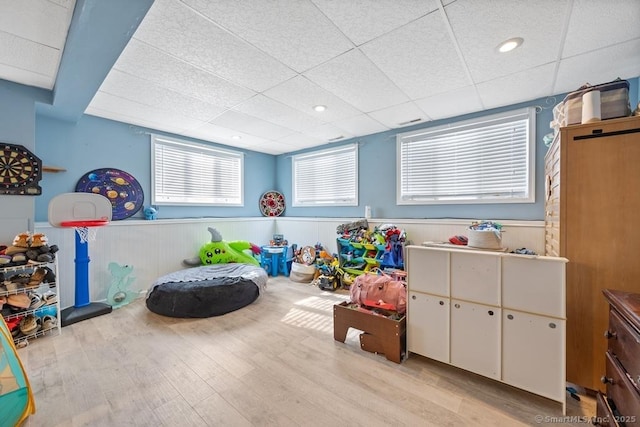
{"x":121,"y":188}
{"x":20,"y":171}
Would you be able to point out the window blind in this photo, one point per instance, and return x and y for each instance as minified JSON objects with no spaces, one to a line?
{"x":488,"y":160}
{"x":186,"y":173}
{"x":327,"y":177}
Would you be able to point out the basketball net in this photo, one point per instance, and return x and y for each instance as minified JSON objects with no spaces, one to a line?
{"x":87,"y":234}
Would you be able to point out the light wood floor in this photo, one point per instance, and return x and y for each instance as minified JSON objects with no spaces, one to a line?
{"x":274,"y":362}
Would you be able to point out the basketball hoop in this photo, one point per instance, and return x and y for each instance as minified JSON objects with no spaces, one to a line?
{"x":86,"y":229}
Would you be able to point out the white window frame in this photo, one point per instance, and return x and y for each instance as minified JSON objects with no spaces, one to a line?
{"x":420,"y":139}
{"x":334,"y":171}
{"x":210,"y":176}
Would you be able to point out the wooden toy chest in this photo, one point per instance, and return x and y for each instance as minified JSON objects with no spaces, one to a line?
{"x":380,"y":334}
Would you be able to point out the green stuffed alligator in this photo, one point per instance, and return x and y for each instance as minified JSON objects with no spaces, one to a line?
{"x":220,"y":252}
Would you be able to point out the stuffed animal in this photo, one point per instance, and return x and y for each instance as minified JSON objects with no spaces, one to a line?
{"x":220,"y":252}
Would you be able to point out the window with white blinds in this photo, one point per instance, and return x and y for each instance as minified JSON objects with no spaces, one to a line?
{"x":187,"y":173}
{"x":484,"y":160}
{"x":327,"y":177}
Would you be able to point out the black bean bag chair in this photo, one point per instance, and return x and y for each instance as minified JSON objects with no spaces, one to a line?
{"x":206,"y":291}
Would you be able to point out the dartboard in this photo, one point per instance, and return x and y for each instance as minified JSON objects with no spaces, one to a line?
{"x":20,"y":171}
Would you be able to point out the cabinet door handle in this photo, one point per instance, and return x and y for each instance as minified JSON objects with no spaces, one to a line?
{"x":413,"y":297}
{"x":510,"y":316}
{"x":608,"y":334}
{"x":606,"y":380}
{"x":441,"y":303}
{"x":490,"y":312}
{"x":552,"y":325}
{"x":457,"y":305}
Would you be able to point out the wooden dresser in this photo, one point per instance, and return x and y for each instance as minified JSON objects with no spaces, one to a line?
{"x":591,"y":213}
{"x":621,"y":405}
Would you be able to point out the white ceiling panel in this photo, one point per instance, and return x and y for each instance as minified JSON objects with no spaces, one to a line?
{"x":40,"y":21}
{"x":365,"y":20}
{"x":361,"y":125}
{"x":180,"y":31}
{"x":293,"y":31}
{"x":303,"y":95}
{"x":455,"y":103}
{"x":481,"y":25}
{"x":593,"y":26}
{"x":214,"y":69}
{"x":251,"y":125}
{"x":27,"y":55}
{"x":518,"y":87}
{"x":177,"y":75}
{"x":25,"y":77}
{"x":135,"y":89}
{"x":407,"y":56}
{"x":354,"y":78}
{"x":140,"y":112}
{"x":300,"y":141}
{"x":406,"y":114}
{"x":595,"y":67}
{"x":273,"y":111}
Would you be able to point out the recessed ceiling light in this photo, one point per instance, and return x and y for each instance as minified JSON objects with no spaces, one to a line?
{"x":509,"y":45}
{"x":236,"y":137}
{"x":320,"y":108}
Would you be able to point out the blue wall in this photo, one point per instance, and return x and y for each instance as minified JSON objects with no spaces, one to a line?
{"x":94,"y":143}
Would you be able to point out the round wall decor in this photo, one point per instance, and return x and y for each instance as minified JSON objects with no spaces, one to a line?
{"x":122,"y":189}
{"x":20,"y":171}
{"x":272,"y":203}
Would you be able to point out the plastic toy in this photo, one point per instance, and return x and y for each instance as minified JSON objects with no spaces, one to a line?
{"x":220,"y":252}
{"x":150,"y":213}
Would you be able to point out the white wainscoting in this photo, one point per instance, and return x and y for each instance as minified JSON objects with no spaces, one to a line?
{"x":155,"y":248}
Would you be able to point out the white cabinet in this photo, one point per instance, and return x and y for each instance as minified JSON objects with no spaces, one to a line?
{"x":430,"y":325}
{"x":475,"y":338}
{"x":496,"y":314}
{"x":42,"y":315}
{"x":533,"y":353}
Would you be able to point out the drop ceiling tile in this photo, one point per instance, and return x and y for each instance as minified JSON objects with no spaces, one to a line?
{"x":596,"y":67}
{"x":272,"y":111}
{"x":25,"y":77}
{"x":480,"y":25}
{"x":303,"y":95}
{"x":40,"y":21}
{"x":354,"y":78}
{"x":328,"y":133}
{"x":251,"y":125}
{"x":156,"y":66}
{"x":136,"y":111}
{"x":137,"y":121}
{"x":69,"y":4}
{"x":221,"y":135}
{"x":26,"y":55}
{"x":296,"y":33}
{"x":451,"y":104}
{"x":593,"y":26}
{"x":365,"y":20}
{"x":519,"y":87}
{"x":361,"y":125}
{"x":406,"y":114}
{"x":273,"y":147}
{"x":141,"y":91}
{"x":420,"y":58}
{"x":298,"y":141}
{"x":176,"y":29}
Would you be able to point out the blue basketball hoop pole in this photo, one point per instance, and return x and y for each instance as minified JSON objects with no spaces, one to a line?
{"x":83,"y":309}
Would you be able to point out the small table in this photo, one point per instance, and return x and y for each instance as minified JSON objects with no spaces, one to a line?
{"x":274,"y":259}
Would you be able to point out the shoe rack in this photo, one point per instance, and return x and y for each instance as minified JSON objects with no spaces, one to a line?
{"x":35,"y":284}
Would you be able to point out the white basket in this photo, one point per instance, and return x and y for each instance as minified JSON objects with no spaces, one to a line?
{"x":485,"y":239}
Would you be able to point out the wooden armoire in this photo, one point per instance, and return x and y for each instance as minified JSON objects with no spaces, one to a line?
{"x":592,"y":218}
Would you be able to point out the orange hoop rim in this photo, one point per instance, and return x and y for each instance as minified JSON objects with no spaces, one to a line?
{"x":85,"y":223}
